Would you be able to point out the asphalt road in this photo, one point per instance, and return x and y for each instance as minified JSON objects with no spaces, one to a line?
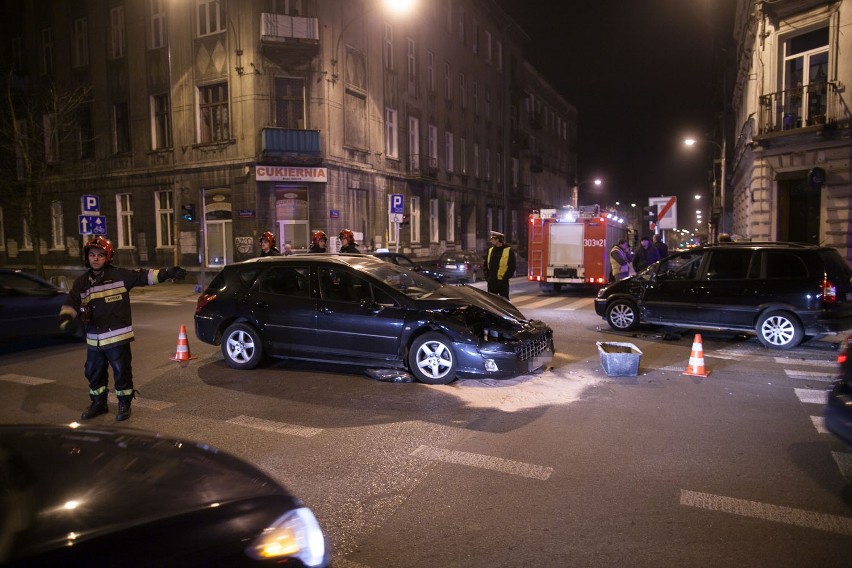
{"x":566,"y":468}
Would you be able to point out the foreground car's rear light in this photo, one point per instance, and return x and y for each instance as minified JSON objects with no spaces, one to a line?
{"x":829,"y":292}
{"x":843,"y":356}
{"x":203,"y":300}
{"x":296,"y":534}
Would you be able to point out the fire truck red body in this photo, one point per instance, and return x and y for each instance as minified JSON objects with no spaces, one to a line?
{"x":571,"y":251}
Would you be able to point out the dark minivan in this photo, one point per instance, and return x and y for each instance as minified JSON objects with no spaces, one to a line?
{"x":783,"y":292}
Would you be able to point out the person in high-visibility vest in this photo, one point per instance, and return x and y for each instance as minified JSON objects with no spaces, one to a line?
{"x":499,"y":265}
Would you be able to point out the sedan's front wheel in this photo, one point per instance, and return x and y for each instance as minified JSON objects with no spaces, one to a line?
{"x":241,"y":347}
{"x":432,"y":360}
{"x":622,"y":315}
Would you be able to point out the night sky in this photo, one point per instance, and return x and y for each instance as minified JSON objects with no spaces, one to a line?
{"x":642,"y":74}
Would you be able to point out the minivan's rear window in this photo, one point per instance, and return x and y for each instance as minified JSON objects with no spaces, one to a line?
{"x":729,"y":264}
{"x":781,"y":264}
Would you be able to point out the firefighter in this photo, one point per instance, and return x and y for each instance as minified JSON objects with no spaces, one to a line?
{"x":319,"y":241}
{"x":347,"y":241}
{"x":499,"y":265}
{"x":619,"y":260}
{"x":101,"y":298}
{"x":267,"y":245}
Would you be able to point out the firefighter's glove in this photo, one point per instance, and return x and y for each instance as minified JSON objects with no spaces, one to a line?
{"x":65,"y":322}
{"x":173,"y":273}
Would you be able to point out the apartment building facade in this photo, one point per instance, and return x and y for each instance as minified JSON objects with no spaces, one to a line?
{"x":792,"y":125}
{"x":207,"y":122}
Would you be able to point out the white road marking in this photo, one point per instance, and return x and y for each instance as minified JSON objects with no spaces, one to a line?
{"x":809,"y":375}
{"x":271,"y":426}
{"x":844,"y":462}
{"x":819,"y":424}
{"x":806,"y":362}
{"x":543,"y":302}
{"x":577,"y":304}
{"x":767,"y":512}
{"x":812,"y":396}
{"x":485,"y":462}
{"x":24,"y":379}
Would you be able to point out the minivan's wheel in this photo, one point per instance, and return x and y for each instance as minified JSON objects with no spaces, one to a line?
{"x":622,"y":315}
{"x":432,"y":360}
{"x":241,"y":346}
{"x":779,"y":329}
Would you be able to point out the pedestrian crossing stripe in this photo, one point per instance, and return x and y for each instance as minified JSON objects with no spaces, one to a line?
{"x":812,"y":396}
{"x":809,"y":375}
{"x":24,"y":379}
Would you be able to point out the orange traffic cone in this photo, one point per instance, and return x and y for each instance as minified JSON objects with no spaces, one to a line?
{"x":696,"y":359}
{"x":182,"y":354}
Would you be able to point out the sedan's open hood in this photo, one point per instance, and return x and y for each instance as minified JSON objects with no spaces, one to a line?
{"x":468,"y":295}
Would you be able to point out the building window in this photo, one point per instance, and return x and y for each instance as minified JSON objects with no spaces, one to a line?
{"x":415,"y":220}
{"x":430,"y":71}
{"x":2,"y":231}
{"x":805,"y":78}
{"x":515,"y":172}
{"x":462,"y":156}
{"x":289,"y":102}
{"x":209,"y":17}
{"x":412,"y":60}
{"x":499,"y":167}
{"x":476,"y":160}
{"x":287,"y":7}
{"x":22,"y":145}
{"x":475,"y":40}
{"x":391,"y":133}
{"x":124,"y":217}
{"x":85,"y":134}
{"x":80,"y":47}
{"x":462,"y":17}
{"x":449,"y":16}
{"x":161,"y":122}
{"x":388,"y":46}
{"x":355,"y":120}
{"x":451,"y":221}
{"x":57,"y":225}
{"x":448,"y":82}
{"x":120,"y":128}
{"x":165,"y":210}
{"x":116,"y":32}
{"x":26,"y":240}
{"x":488,"y":163}
{"x":488,"y":54}
{"x":46,"y":61}
{"x":51,"y":138}
{"x":487,"y":103}
{"x":449,"y":155}
{"x":432,"y":138}
{"x":498,"y":56}
{"x":462,"y":91}
{"x":474,"y":94}
{"x":434,"y":225}
{"x":18,"y":54}
{"x":214,"y":120}
{"x":159,"y":29}
{"x":414,"y":142}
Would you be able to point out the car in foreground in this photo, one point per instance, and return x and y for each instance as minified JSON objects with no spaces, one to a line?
{"x":406,"y":262}
{"x":838,"y":410}
{"x":107,"y":496}
{"x":782,"y":292}
{"x":360,"y":310}
{"x":29,"y":307}
{"x":461,"y":266}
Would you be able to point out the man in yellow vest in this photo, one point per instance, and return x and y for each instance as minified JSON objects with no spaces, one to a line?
{"x":499,"y":265}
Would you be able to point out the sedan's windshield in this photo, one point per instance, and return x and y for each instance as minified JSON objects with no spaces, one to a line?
{"x":406,"y":281}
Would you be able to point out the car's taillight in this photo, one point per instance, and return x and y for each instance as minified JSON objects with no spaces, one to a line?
{"x":829,"y":292}
{"x":843,"y":356}
{"x":203,"y":300}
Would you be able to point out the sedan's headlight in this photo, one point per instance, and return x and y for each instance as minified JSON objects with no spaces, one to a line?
{"x":296,"y":534}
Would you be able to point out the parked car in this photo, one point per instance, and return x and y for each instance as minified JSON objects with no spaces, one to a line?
{"x":357,"y":309}
{"x":782,"y":292}
{"x":107,"y":496}
{"x":29,"y":307}
{"x":406,"y":262}
{"x":461,"y":266}
{"x":838,"y":411}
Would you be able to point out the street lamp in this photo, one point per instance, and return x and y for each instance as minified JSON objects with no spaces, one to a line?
{"x":575,"y":197}
{"x":721,"y":147}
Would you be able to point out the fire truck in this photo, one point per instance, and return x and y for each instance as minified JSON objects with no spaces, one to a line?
{"x":572,"y":250}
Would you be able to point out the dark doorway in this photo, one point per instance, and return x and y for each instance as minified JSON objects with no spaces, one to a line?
{"x":798,"y":210}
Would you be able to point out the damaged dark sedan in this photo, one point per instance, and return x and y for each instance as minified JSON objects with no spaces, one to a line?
{"x":359,"y":310}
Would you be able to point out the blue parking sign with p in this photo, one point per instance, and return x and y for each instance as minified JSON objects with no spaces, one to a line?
{"x":397,"y":203}
{"x":91,"y":204}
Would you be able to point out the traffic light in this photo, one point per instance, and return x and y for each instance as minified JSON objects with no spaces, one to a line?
{"x":406,"y":220}
{"x":189,"y":211}
{"x":649,"y":213}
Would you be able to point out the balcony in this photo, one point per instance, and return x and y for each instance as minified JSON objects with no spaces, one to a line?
{"x":421,"y":165}
{"x":815,"y":104}
{"x":291,"y":146}
{"x":288,"y":36}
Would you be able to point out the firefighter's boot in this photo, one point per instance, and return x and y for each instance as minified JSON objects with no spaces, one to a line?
{"x":98,"y":407}
{"x":123,"y":409}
